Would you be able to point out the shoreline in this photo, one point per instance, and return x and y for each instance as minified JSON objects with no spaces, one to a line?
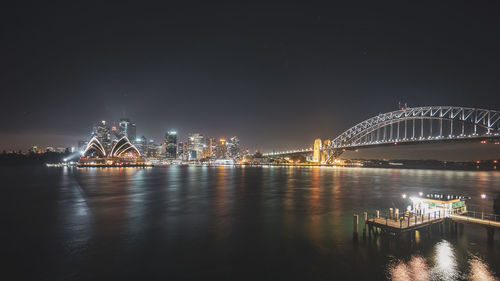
{"x":382,"y":166}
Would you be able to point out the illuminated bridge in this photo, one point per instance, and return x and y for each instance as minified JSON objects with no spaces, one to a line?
{"x":415,"y":125}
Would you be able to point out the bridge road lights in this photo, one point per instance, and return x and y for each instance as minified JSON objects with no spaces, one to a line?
{"x":483,"y":196}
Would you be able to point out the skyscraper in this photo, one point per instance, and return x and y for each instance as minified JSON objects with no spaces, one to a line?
{"x":152,"y":149}
{"x":233,"y":147}
{"x":102,"y":132}
{"x":142,"y":145}
{"x":221,"y":150}
{"x":196,"y":146}
{"x":171,"y":145}
{"x":115,"y":133}
{"x":184,"y":150}
{"x":180,"y":151}
{"x":127,"y":128}
{"x":212,"y":147}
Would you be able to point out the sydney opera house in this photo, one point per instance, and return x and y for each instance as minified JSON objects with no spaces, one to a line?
{"x":119,"y":153}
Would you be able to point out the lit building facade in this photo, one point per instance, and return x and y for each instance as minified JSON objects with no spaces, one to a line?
{"x":171,"y":145}
{"x":141,"y":144}
{"x":197,"y":145}
{"x":221,"y":150}
{"x":233,"y":148}
{"x":183,"y":150}
{"x":127,"y":129}
{"x":101,"y":131}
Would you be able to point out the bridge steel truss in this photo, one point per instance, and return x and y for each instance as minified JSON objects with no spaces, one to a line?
{"x":419,"y":124}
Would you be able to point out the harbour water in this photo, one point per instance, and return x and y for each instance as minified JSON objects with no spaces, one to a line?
{"x":232,"y":223}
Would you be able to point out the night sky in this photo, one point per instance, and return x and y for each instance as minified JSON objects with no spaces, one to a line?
{"x":276,"y":75}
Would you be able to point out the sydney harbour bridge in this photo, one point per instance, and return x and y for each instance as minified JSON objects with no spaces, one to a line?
{"x":412,"y":125}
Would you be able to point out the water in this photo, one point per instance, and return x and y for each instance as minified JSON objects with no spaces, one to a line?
{"x":225,"y":223}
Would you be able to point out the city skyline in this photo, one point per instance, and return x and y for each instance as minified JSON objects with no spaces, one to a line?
{"x":174,"y":146}
{"x":264,"y":73}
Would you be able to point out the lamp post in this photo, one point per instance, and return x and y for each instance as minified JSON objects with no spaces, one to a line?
{"x":483,"y":196}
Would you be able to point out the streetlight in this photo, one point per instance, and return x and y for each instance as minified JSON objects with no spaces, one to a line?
{"x":483,"y":196}
{"x":404,"y":195}
{"x":420,"y":194}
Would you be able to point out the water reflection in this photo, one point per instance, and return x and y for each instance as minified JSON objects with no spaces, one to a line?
{"x":444,"y":267}
{"x":479,"y":270}
{"x":74,"y":215}
{"x":416,"y":269}
{"x":445,"y":264}
{"x":228,"y":223}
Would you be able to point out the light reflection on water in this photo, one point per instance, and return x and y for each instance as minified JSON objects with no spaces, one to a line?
{"x":441,"y":266}
{"x":229,"y":223}
{"x":479,"y":270}
{"x":415,"y":269}
{"x":445,"y":264}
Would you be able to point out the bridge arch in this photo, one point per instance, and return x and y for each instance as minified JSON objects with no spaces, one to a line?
{"x":429,"y":123}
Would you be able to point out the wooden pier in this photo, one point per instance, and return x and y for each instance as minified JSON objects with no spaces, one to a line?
{"x":396,"y":226}
{"x":446,"y":213}
{"x":393,"y":225}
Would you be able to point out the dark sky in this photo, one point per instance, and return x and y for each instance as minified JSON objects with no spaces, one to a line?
{"x":277,"y":75}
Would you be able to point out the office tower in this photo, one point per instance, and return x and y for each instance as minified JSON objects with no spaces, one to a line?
{"x":101,"y":131}
{"x":127,"y":128}
{"x":171,"y":145}
{"x":196,"y":143}
{"x":233,"y":147}
{"x":221,"y":150}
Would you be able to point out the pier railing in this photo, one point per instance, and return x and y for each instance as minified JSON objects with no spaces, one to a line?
{"x":407,"y":220}
{"x":484,"y":217}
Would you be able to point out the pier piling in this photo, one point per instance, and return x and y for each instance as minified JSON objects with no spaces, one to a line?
{"x":355,"y":228}
{"x":365,"y":219}
{"x":491,"y":234}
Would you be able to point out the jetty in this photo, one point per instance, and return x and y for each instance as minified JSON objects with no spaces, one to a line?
{"x":440,"y":212}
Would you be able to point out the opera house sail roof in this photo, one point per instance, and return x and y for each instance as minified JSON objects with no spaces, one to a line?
{"x":121,"y":152}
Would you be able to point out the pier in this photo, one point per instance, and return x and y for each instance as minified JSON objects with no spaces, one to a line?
{"x":397,"y":226}
{"x":445,"y":215}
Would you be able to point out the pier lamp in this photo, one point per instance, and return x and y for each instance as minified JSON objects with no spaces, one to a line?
{"x":420,"y":193}
{"x":404,"y":195}
{"x":483,"y":196}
